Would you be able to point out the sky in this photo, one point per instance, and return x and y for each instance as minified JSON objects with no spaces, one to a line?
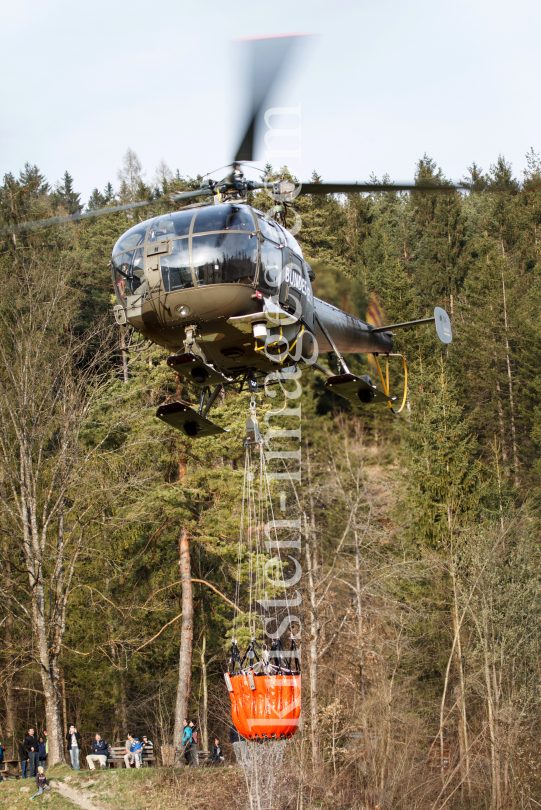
{"x":379,"y":84}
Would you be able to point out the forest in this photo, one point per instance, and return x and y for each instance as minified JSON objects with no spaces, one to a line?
{"x":421,"y":600}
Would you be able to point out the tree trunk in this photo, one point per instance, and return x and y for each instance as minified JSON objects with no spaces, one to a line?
{"x":50,"y":681}
{"x":125,"y":374}
{"x":494,"y":758}
{"x":510,"y":377}
{"x":204,"y":717}
{"x":8,"y":694}
{"x":186,"y":639}
{"x":64,"y":716}
{"x":47,"y":654}
{"x":462,"y":715}
{"x":360,"y":633}
{"x":313,"y":619}
{"x":123,"y":705}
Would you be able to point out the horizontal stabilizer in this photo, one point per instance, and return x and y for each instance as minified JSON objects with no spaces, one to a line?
{"x":440,"y":318}
{"x":188,"y":421}
{"x":359,"y":390}
{"x":194,"y":368}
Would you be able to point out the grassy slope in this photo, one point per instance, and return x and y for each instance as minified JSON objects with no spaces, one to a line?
{"x":144,"y":789}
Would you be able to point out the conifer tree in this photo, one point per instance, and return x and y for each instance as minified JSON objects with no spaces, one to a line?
{"x":444,"y":483}
{"x":64,"y":195}
{"x":439,"y":267}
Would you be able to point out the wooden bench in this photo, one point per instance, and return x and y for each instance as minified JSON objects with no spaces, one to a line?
{"x":11,"y":767}
{"x":202,"y":756}
{"x":117,"y":760}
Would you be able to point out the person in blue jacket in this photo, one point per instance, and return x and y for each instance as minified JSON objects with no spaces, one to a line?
{"x":187,"y":740}
{"x":99,"y":752}
{"x":134,"y":751}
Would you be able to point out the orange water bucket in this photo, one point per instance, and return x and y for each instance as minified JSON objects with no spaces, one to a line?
{"x":265,"y":706}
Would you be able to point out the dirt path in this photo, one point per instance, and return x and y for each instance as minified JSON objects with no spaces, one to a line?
{"x":74,"y":796}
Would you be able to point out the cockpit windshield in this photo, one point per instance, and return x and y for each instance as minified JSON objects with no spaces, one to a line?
{"x":215,"y":244}
{"x":132,"y":238}
{"x":171,"y":226}
{"x":224,"y":258}
{"x":224,"y":218}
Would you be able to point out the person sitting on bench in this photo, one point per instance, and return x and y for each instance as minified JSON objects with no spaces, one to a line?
{"x":134,"y":751}
{"x":99,"y":753}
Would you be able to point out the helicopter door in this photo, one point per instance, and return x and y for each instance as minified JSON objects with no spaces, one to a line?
{"x":308,"y":300}
{"x":293,"y":288}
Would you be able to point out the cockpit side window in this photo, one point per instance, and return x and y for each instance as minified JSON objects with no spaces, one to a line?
{"x":292,"y":243}
{"x":270,"y":231}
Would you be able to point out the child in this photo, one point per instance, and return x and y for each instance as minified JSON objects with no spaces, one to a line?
{"x":41,"y":782}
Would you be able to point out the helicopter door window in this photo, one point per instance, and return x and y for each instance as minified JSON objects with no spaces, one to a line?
{"x":271,"y":266}
{"x":294,"y":284}
{"x":132,"y":238}
{"x":128,"y":272}
{"x":224,"y":218}
{"x":171,"y":226}
{"x":176,"y":273}
{"x":224,"y":258}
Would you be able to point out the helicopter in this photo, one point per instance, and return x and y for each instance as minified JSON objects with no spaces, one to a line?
{"x":225,"y":288}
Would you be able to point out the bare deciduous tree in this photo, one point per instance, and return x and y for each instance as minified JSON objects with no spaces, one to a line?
{"x":47,"y":387}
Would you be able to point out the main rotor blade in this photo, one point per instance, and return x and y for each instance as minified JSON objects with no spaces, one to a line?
{"x":184,"y":195}
{"x":346,"y":188}
{"x":267,"y":57}
{"x":99,"y":212}
{"x":50,"y":221}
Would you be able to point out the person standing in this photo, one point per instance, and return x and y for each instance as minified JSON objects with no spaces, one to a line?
{"x":23,"y":759}
{"x":31,"y":745}
{"x":187,"y":741}
{"x":41,"y":782}
{"x":194,"y":753}
{"x":99,"y":753}
{"x":216,"y":755}
{"x":74,"y":745}
{"x":42,"y":753}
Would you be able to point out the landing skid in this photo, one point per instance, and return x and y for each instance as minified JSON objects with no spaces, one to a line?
{"x":358,"y":390}
{"x":188,"y":421}
{"x":192,"y":367}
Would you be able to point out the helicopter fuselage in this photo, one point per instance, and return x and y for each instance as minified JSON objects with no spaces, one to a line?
{"x":236,"y":280}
